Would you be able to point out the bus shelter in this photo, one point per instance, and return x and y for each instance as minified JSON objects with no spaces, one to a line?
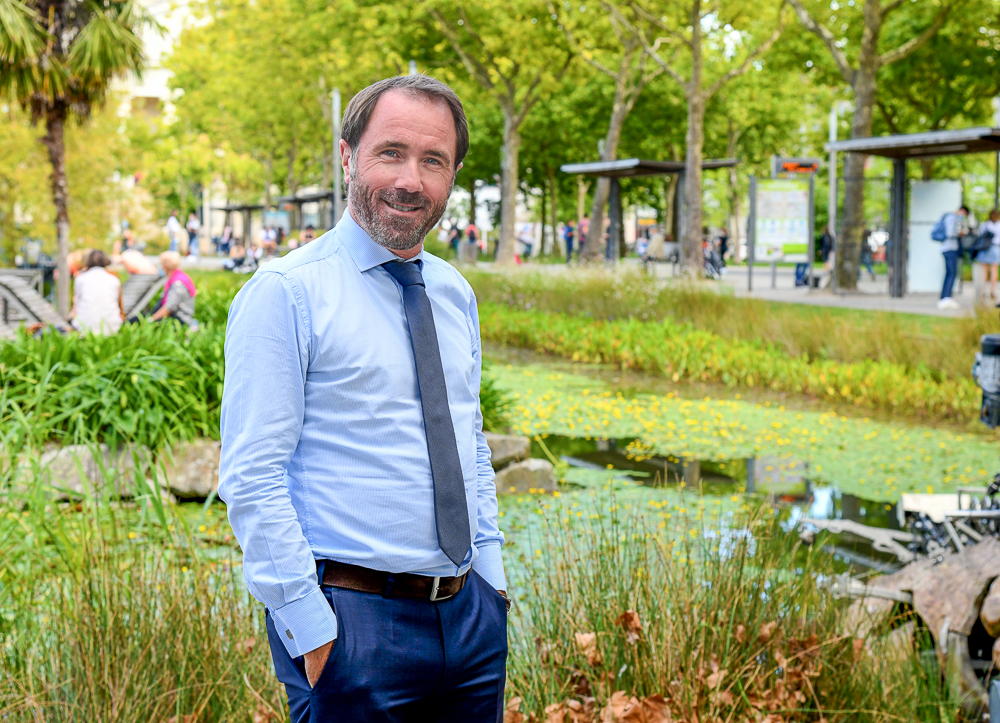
{"x":638,"y":168}
{"x":909,"y":146}
{"x":323,"y":198}
{"x":245,"y":211}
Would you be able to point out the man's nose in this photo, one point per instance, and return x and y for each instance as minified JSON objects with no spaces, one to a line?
{"x":409,"y":177}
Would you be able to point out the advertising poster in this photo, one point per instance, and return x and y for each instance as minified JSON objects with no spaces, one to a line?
{"x":782,"y":216}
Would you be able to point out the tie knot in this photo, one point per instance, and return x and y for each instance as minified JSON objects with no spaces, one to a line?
{"x":407,"y":274}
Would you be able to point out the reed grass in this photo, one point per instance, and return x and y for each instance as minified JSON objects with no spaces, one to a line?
{"x":728,"y":624}
{"x":943,"y":347}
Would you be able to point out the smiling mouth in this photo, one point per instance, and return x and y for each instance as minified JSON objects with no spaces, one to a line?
{"x":398,"y":207}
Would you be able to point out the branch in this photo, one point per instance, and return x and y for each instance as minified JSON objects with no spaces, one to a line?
{"x":760,"y":50}
{"x":528,"y":101}
{"x":886,"y":9}
{"x":650,"y":18}
{"x":888,"y":117}
{"x":913,"y":43}
{"x":597,"y":65}
{"x":476,"y":69}
{"x":843,"y":65}
{"x":652,"y":51}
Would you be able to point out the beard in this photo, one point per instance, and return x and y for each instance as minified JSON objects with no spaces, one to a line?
{"x":395,"y":233}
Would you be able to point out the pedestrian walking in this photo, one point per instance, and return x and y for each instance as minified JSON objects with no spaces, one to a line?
{"x":193,"y":226}
{"x":472,"y":234}
{"x":357,"y":478}
{"x":454,"y":236}
{"x":174,"y":230}
{"x":569,"y":234}
{"x":827,"y":246}
{"x":990,"y":258}
{"x":866,"y":253}
{"x":952,"y":226}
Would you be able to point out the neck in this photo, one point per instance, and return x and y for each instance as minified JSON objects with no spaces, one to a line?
{"x":405,"y":254}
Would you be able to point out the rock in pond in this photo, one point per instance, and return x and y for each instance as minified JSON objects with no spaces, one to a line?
{"x":192,"y":468}
{"x":507,"y":448}
{"x":531,"y":475}
{"x":75,"y":470}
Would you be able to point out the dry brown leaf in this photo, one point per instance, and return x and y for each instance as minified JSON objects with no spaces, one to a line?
{"x":630,"y":623}
{"x":182,"y":719}
{"x":555,"y":713}
{"x":246,"y":645}
{"x":773,"y":718}
{"x":264,"y":714}
{"x":741,"y":634}
{"x":632,"y":713}
{"x":859,"y":646}
{"x":587,"y":644}
{"x":615,"y":708}
{"x":656,"y":709}
{"x":766,"y":633}
{"x":723,"y":697}
{"x":715,"y":679}
{"x":512,"y":713}
{"x":781,"y":660}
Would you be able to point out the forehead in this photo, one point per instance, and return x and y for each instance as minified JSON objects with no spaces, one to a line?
{"x":413,"y":119}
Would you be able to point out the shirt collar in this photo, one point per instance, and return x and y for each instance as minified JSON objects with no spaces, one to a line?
{"x":366,"y":252}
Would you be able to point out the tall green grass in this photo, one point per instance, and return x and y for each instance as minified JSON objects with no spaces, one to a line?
{"x":728,"y":624}
{"x":943,"y":347}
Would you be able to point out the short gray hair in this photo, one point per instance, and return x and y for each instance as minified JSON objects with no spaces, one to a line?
{"x":359,"y":110}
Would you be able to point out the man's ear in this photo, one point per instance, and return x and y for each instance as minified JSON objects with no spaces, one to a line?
{"x":345,"y":159}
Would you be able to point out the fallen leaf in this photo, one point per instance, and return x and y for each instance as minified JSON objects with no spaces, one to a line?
{"x":555,"y":713}
{"x":182,"y":719}
{"x":715,"y":679}
{"x":630,"y":623}
{"x":587,"y":644}
{"x":741,"y":634}
{"x":615,"y":708}
{"x":723,"y":697}
{"x":580,"y":683}
{"x":766,"y":633}
{"x":512,"y":713}
{"x":246,"y":645}
{"x":859,"y":645}
{"x":264,"y":714}
{"x":656,"y":709}
{"x":781,"y":660}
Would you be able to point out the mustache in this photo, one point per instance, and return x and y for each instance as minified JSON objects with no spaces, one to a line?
{"x":404,"y":198}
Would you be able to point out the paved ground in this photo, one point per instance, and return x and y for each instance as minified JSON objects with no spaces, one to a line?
{"x":871,"y":296}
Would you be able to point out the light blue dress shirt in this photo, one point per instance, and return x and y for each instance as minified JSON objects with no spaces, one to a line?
{"x":323,"y":448}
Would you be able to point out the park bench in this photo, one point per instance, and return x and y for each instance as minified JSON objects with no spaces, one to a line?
{"x":20,"y":302}
{"x":138,"y":291}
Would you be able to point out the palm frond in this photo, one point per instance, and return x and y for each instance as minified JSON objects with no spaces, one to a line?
{"x":109,"y":45}
{"x":22,"y":40}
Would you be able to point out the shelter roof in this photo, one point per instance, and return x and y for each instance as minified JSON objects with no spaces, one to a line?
{"x":238,"y":207}
{"x":305,"y":198}
{"x":634,"y":167}
{"x":922,"y":145}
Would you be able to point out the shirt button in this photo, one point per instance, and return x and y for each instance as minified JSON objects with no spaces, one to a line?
{"x":289,"y":634}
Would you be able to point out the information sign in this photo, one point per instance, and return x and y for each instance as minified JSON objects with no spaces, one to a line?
{"x":782,"y":220}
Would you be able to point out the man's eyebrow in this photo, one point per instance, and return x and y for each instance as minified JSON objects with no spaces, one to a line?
{"x":406,"y":146}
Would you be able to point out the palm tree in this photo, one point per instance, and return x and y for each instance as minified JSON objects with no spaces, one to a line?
{"x":57,"y":59}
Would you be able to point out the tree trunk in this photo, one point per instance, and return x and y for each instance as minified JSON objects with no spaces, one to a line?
{"x":554,"y":215}
{"x":669,"y":194}
{"x":543,"y":217}
{"x":581,"y":199}
{"x":593,"y":249}
{"x":734,"y":196}
{"x":472,"y":201}
{"x":864,"y":86}
{"x":508,"y":190}
{"x":692,"y":259}
{"x":55,"y":122}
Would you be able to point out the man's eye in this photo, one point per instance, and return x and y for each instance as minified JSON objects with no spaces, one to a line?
{"x":391,"y":154}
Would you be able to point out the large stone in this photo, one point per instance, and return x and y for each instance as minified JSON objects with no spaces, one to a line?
{"x":507,"y":448}
{"x":75,"y":470}
{"x":531,"y":475}
{"x":192,"y":468}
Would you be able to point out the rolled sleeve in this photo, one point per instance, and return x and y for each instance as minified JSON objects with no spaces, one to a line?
{"x":489,"y":539}
{"x":263,"y":404}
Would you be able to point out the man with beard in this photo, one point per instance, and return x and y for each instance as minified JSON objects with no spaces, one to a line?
{"x":354,"y":467}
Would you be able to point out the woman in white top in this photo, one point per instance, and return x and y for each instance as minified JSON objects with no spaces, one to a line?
{"x":97,"y":297}
{"x":991,"y":257}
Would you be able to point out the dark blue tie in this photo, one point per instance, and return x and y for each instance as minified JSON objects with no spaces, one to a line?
{"x":451,"y":510}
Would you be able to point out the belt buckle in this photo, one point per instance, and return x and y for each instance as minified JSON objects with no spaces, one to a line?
{"x":434,"y":591}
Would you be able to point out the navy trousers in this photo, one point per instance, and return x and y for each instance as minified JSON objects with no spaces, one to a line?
{"x":405,"y":661}
{"x":950,"y":272}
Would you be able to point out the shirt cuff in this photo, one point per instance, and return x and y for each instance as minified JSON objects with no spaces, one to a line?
{"x":489,"y":565}
{"x":306,"y":624}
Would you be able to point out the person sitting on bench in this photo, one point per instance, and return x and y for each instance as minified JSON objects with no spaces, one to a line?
{"x":178,"y":293}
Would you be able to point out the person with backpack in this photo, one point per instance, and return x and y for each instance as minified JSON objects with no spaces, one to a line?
{"x":948,"y":230}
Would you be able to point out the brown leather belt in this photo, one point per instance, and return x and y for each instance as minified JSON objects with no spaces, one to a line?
{"x":403,"y":584}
